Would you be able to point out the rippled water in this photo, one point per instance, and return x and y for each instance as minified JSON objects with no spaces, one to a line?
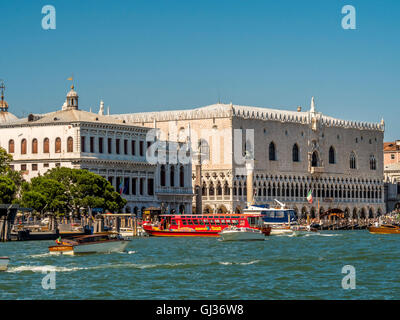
{"x":281,"y":267}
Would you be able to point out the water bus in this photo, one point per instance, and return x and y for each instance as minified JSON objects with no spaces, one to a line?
{"x":207,"y":225}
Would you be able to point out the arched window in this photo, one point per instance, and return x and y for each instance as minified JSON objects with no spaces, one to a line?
{"x":211,"y":189}
{"x":11,"y":146}
{"x":372,"y":162}
{"x":331,"y":155}
{"x":46,"y":148}
{"x":70,"y":144}
{"x":172,"y":177}
{"x":314,"y":159}
{"x":23,"y":146}
{"x":272,"y":152}
{"x":204,"y":150}
{"x":58,"y":145}
{"x":34,"y":146}
{"x":295,"y":153}
{"x":181,"y":176}
{"x":227,"y":190}
{"x":353,"y":163}
{"x":219,"y":189}
{"x":162,"y":176}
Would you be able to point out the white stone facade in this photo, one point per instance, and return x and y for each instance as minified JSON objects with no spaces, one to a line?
{"x":340,"y":161}
{"x":84,"y":140}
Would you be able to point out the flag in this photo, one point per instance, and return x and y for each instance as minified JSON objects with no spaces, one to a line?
{"x":58,"y":241}
{"x":121,"y":187}
{"x":309,"y":196}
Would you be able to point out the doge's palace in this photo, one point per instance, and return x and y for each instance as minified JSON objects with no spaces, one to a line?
{"x":294,"y":152}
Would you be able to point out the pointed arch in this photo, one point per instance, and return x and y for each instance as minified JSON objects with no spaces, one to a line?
{"x":272,"y":151}
{"x":295,"y":153}
{"x":332,"y":155}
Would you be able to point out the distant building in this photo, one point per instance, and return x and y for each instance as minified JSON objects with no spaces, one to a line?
{"x":391,"y":154}
{"x":116,"y":150}
{"x":341,"y":161}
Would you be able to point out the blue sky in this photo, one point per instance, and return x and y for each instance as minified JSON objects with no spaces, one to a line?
{"x":164,"y":55}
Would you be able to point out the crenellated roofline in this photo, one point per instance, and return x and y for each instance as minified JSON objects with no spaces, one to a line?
{"x":247,"y":112}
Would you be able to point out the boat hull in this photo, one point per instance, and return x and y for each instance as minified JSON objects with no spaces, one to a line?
{"x":96,"y":247}
{"x":4,"y":263}
{"x":278,"y":231}
{"x":241,"y":236}
{"x":384,"y":230}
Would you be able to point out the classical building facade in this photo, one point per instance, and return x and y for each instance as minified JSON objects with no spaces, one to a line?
{"x":116,"y":150}
{"x":391,"y":154}
{"x":294,"y":152}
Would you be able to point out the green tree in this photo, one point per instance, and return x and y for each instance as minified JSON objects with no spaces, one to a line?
{"x":44,"y":193}
{"x":5,"y":160}
{"x":11,"y":180}
{"x":7,"y":190}
{"x":86,"y":189}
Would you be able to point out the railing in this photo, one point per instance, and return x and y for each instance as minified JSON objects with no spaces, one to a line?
{"x":174,"y":190}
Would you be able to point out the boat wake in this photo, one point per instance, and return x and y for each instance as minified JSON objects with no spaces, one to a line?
{"x":40,"y":255}
{"x":239,"y":263}
{"x":48,"y":268}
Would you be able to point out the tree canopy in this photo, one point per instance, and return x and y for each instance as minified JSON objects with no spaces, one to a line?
{"x":71,"y":190}
{"x":10,"y":180}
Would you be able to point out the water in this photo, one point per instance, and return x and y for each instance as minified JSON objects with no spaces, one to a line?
{"x":281,"y":267}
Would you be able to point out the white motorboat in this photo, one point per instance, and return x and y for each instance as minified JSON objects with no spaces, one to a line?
{"x":299,"y":230}
{"x":241,"y":233}
{"x":4,"y":263}
{"x":126,"y":233}
{"x":97,"y":243}
{"x":280,"y":229}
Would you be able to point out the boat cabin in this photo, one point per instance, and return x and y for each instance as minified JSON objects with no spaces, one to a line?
{"x":272,"y":215}
{"x":151,"y":214}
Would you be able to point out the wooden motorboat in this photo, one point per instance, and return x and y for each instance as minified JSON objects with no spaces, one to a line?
{"x":385,"y":229}
{"x":241,"y":233}
{"x":96,"y":243}
{"x":4,"y":263}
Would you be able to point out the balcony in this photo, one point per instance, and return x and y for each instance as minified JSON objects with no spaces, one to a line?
{"x":316,"y":170}
{"x":174,"y":191}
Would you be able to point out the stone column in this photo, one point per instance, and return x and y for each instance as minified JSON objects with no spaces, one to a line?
{"x":249,"y":182}
{"x":198,"y":191}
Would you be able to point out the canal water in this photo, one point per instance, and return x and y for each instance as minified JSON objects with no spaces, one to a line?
{"x":281,"y":267}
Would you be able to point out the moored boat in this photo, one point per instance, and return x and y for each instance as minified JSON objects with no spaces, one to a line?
{"x":4,"y":263}
{"x":97,"y":243}
{"x":280,"y":230}
{"x":241,"y":233}
{"x":126,"y":233}
{"x":385,"y":229}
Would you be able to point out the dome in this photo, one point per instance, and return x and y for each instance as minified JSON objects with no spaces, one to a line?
{"x":6,"y":116}
{"x":3,"y":105}
{"x":72,"y":93}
